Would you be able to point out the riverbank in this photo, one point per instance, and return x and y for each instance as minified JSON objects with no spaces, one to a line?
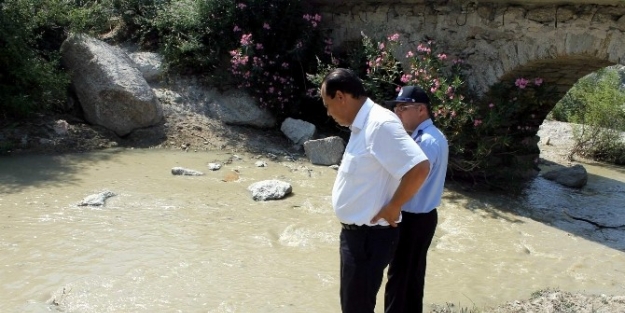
{"x":188,"y":131}
{"x":192,"y":132}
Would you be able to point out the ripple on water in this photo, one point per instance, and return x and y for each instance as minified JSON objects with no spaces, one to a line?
{"x":301,"y":237}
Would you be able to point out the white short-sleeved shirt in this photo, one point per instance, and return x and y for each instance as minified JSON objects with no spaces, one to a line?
{"x":377,"y":156}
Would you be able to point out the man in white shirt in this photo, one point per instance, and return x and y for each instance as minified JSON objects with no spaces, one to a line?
{"x":406,"y":272}
{"x":381,"y":169}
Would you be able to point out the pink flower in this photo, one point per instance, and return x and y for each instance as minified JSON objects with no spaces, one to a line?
{"x":266,"y":26}
{"x":538,"y":81}
{"x":241,"y":5}
{"x":406,"y":78}
{"x":393,"y":37}
{"x":492,"y":105}
{"x":423,"y":48}
{"x":442,"y":56}
{"x":246,"y":39}
{"x":236,"y":28}
{"x":477,"y":123}
{"x":410,"y":54}
{"x":259,"y":46}
{"x":381,"y":46}
{"x":521,"y":83}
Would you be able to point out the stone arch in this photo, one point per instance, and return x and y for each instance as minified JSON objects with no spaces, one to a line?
{"x":560,"y":58}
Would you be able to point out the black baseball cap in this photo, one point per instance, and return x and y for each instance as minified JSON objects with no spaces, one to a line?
{"x":409,"y":94}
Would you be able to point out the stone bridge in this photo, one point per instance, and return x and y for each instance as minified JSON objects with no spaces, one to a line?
{"x":559,"y":41}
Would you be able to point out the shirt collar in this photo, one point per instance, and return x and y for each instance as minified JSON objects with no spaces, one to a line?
{"x":361,"y":116}
{"x":425,"y":124}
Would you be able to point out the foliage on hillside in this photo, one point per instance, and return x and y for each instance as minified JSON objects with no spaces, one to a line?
{"x":266,"y":46}
{"x":597,"y":103}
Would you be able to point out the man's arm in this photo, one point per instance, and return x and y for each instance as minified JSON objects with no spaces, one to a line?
{"x":410,"y":183}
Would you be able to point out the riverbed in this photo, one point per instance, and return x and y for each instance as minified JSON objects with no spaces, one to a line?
{"x":169,"y":243}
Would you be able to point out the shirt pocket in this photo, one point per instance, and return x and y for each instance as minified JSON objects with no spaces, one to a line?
{"x":348,"y":164}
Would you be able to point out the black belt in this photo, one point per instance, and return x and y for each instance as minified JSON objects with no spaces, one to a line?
{"x":363,"y":227}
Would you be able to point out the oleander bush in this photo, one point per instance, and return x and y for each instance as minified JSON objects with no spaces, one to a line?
{"x":479,"y":131}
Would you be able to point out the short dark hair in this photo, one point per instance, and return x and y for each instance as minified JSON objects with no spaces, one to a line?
{"x":344,"y":80}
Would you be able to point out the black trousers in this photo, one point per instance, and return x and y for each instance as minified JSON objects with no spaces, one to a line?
{"x":365,"y":253}
{"x":406,"y":272}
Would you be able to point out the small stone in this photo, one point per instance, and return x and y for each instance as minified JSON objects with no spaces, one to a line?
{"x":214,"y":166}
{"x":231,"y":176}
{"x":260,"y":164}
{"x":185,"y":172}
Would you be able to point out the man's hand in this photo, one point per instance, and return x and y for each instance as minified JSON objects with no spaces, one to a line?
{"x":389,"y":213}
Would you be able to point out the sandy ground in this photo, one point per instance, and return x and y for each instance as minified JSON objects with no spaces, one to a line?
{"x":193,"y":132}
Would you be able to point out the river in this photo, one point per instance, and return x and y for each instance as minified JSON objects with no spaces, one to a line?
{"x":169,"y":243}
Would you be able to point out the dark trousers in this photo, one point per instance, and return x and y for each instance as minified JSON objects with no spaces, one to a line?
{"x":365,"y":253}
{"x":406,"y":272}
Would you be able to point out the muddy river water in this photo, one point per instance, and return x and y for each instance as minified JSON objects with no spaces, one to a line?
{"x":169,"y":243}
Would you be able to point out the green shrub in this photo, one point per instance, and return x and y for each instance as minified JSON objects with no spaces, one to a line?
{"x":596,"y":99}
{"x":30,"y":80}
{"x":597,"y":103}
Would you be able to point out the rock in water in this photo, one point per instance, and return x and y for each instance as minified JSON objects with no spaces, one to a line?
{"x":270,"y":190}
{"x":214,"y":166}
{"x":185,"y":172}
{"x":97,"y":199}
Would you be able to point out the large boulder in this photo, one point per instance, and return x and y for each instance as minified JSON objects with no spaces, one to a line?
{"x":298,"y":131}
{"x":575,"y":176}
{"x":326,"y":151}
{"x":111,"y":90}
{"x":150,"y":65}
{"x":236,"y":107}
{"x":232,"y":107}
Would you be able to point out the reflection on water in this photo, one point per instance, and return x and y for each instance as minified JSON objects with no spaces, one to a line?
{"x":200,"y":244}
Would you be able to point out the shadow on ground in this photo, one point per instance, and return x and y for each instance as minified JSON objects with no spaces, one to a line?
{"x":595,"y":212}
